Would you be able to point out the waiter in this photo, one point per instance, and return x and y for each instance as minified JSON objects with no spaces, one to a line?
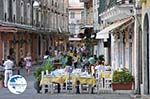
{"x":8,"y":64}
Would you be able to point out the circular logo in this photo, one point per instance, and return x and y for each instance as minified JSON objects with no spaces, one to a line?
{"x":17,"y":84}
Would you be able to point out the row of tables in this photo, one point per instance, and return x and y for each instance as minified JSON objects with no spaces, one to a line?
{"x":75,"y":79}
{"x":62,"y":79}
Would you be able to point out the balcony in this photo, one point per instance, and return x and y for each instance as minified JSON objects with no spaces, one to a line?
{"x":115,"y":10}
{"x":84,"y":1}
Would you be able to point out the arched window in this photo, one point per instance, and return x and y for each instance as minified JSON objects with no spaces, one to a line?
{"x":14,"y":10}
{"x":52,"y":2}
{"x":14,"y":18}
{"x":40,"y":17}
{"x":5,"y":3}
{"x":52,"y":20}
{"x":5,"y":17}
{"x":28,"y":13}
{"x":55,"y":4}
{"x":22,"y":11}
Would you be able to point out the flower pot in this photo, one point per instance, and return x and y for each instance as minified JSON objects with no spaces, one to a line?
{"x":122,"y":86}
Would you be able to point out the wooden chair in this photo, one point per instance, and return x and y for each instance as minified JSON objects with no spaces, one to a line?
{"x":49,"y":87}
{"x":69,"y":87}
{"x":99,"y":81}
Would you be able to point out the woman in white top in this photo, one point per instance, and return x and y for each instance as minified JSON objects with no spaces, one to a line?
{"x":28,"y":63}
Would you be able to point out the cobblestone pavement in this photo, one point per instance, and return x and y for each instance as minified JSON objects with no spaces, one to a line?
{"x":30,"y":93}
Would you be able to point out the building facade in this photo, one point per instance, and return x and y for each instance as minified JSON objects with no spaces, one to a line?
{"x":115,"y":30}
{"x":29,"y":26}
{"x":88,"y":34}
{"x":76,"y":14}
{"x":124,"y":32}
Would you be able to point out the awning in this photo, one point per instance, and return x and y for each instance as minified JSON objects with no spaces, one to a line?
{"x":74,"y":39}
{"x":105,"y":32}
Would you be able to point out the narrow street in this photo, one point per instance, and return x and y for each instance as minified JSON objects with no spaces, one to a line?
{"x":30,"y":92}
{"x":97,"y":46}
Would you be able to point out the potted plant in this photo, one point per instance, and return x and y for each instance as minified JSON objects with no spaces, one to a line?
{"x":37,"y":74}
{"x":122,"y":80}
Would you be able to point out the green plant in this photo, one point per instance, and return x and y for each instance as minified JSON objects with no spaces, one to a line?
{"x":101,"y":58}
{"x":37,"y":73}
{"x":47,"y":65}
{"x":123,"y":76}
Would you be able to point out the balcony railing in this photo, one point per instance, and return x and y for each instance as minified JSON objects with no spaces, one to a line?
{"x":104,"y":5}
{"x":84,"y":0}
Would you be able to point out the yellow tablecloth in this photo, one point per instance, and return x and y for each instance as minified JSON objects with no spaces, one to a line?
{"x":105,"y":75}
{"x":47,"y":80}
{"x":83,"y":80}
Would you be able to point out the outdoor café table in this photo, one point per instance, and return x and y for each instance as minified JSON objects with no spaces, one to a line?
{"x":105,"y":75}
{"x":47,"y":80}
{"x":106,"y":78}
{"x":85,"y":80}
{"x":90,"y":81}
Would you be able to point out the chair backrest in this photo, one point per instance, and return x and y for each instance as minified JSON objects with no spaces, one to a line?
{"x":108,"y":79}
{"x":44,"y":73}
{"x":47,"y":72}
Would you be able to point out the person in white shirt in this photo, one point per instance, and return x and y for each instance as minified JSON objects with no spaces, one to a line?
{"x":8,"y":65}
{"x":28,"y":61}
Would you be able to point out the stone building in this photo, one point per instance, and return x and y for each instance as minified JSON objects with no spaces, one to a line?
{"x":29,"y":26}
{"x":115,"y":29}
{"x":88,"y":34}
{"x":76,"y":14}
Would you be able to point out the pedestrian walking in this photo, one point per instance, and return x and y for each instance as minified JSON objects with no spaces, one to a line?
{"x":20,"y":65}
{"x":8,"y":65}
{"x":28,"y":63}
